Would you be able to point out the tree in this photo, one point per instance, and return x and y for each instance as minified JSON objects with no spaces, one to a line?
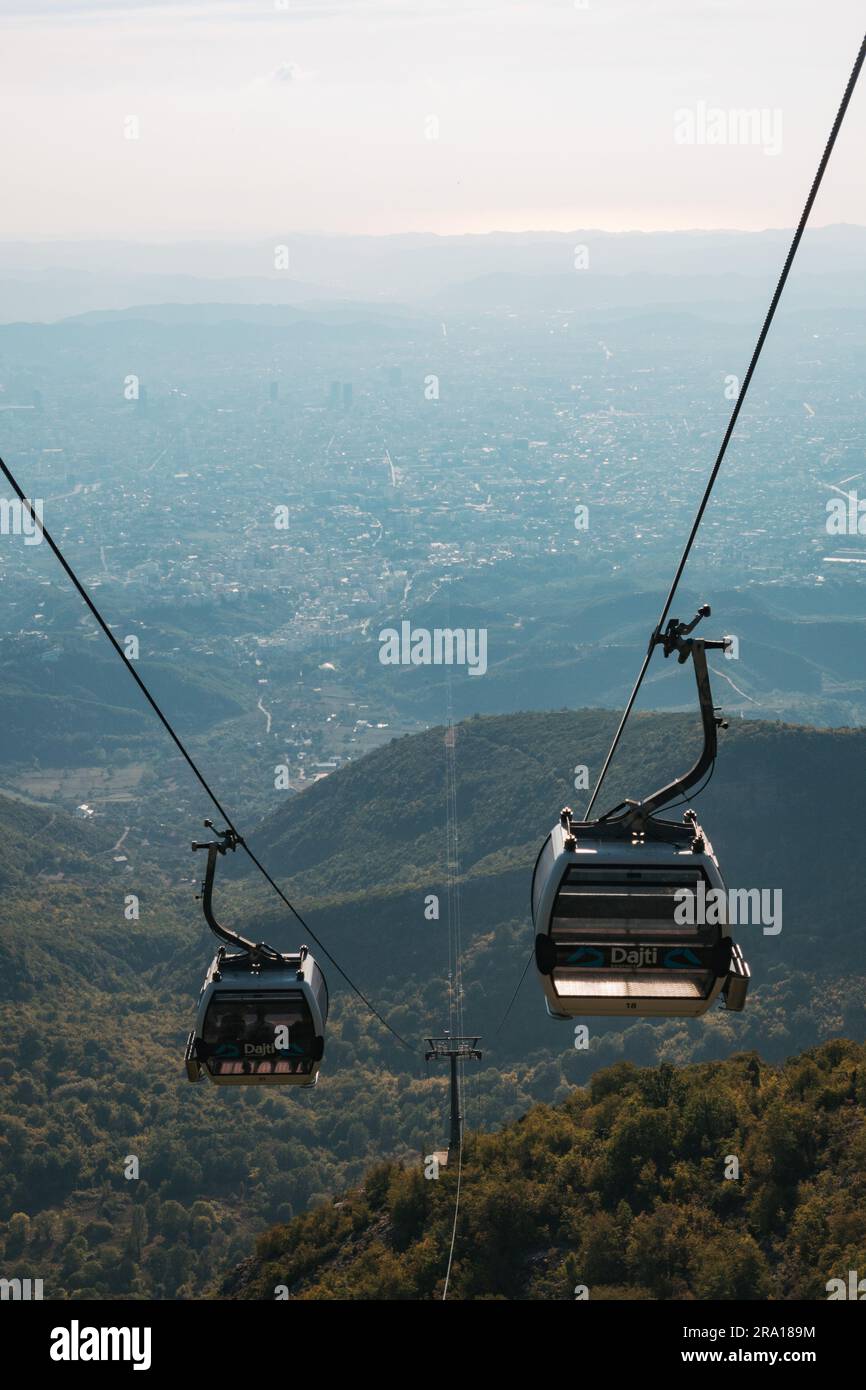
{"x":730,"y":1266}
{"x":19,"y":1233}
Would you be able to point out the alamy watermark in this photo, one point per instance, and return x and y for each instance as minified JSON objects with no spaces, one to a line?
{"x":20,"y":1290}
{"x":846,"y":515}
{"x":16,"y":519}
{"x":77,"y":1343}
{"x":713,"y":125}
{"x":854,"y":1288}
{"x":441,"y":646}
{"x":713,"y":907}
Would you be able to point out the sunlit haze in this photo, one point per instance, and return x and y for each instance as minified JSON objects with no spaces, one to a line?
{"x":385,"y":116}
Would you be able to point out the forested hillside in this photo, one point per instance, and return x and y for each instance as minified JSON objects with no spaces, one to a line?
{"x":626,"y":1190}
{"x":95,"y":1007}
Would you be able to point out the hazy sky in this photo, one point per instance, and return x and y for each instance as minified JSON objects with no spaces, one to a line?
{"x":261,"y":116}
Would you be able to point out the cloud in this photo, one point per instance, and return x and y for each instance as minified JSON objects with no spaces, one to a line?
{"x":285,"y":74}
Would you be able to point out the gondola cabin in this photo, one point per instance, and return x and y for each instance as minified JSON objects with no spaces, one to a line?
{"x":260,"y":1021}
{"x":609,"y":936}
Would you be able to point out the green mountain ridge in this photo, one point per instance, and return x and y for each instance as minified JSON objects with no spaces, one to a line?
{"x":94,"y":1008}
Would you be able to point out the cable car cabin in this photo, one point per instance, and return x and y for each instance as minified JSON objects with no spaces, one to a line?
{"x":610,"y":897}
{"x":608,"y":939}
{"x":260,"y":1021}
{"x":261,"y":1014}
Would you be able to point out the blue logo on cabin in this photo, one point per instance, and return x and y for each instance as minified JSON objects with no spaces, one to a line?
{"x":586,"y":955}
{"x":681,"y":958}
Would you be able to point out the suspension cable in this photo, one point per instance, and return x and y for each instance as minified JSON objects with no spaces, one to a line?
{"x":456,"y":1213}
{"x":513,"y":998}
{"x":455,"y":944}
{"x":185,"y":754}
{"x":789,"y":260}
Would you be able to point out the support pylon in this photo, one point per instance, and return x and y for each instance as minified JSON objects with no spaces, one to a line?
{"x":453,"y":1048}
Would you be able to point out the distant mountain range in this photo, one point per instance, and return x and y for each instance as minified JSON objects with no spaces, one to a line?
{"x":52,"y":280}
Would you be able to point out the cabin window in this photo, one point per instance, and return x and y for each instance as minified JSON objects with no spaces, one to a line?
{"x":245,"y":1031}
{"x":618,"y":903}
